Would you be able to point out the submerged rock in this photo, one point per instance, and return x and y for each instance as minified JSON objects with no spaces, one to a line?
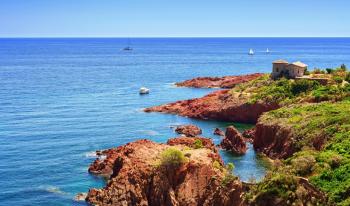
{"x":138,"y":177}
{"x":234,"y":141}
{"x":188,"y":130}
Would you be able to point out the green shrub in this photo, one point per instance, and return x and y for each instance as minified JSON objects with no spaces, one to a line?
{"x":338,"y":79}
{"x":303,"y":165}
{"x":197,"y":144}
{"x":303,"y":86}
{"x":217,"y":165}
{"x":230,"y":166}
{"x":172,"y":157}
{"x":227,"y":179}
{"x":347,"y":77}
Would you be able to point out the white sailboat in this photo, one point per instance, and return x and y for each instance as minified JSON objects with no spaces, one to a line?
{"x":267,"y":50}
{"x":251,"y":52}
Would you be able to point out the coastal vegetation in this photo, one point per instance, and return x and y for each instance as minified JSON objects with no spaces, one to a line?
{"x":289,"y":91}
{"x":321,"y":135}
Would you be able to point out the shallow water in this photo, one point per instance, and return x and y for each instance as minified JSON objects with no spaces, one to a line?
{"x":62,"y":99}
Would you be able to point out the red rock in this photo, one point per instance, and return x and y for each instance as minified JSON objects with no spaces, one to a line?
{"x":219,"y":132}
{"x":137,"y":179}
{"x":234,"y":141}
{"x":249,"y":133}
{"x":273,"y":140}
{"x":218,"y":105}
{"x":189,"y":142}
{"x":222,"y":82}
{"x":188,"y":130}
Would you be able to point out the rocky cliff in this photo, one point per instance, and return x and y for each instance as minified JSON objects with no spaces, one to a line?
{"x":218,"y":105}
{"x":138,"y":177}
{"x":274,"y":140}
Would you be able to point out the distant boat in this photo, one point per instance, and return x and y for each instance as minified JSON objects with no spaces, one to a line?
{"x":267,"y":50}
{"x":144,"y":90}
{"x":128,"y":48}
{"x":251,"y":52}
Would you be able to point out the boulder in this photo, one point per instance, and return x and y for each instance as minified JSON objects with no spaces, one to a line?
{"x":188,"y":130}
{"x":234,"y":141}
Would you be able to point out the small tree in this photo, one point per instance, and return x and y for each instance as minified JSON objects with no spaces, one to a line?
{"x":329,"y":70}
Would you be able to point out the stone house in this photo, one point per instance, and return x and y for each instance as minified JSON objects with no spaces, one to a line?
{"x":281,"y":68}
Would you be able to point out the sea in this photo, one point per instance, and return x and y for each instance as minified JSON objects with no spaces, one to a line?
{"x":61,"y":99}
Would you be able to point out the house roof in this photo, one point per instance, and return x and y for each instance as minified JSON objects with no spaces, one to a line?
{"x":299,"y":64}
{"x":280,"y":61}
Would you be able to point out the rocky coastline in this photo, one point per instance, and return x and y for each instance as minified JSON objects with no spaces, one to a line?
{"x":137,"y":174}
{"x":218,"y":82}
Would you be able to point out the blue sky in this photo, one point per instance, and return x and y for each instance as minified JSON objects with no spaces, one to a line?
{"x":176,"y":18}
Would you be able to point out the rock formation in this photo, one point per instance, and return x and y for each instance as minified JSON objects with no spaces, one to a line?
{"x":215,"y":82}
{"x":219,"y":132}
{"x":276,"y":141}
{"x":234,"y":141}
{"x":137,"y":177}
{"x":218,"y":105}
{"x":188,"y":130}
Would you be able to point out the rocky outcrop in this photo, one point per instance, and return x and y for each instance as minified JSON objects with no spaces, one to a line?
{"x":219,"y":132}
{"x":137,"y":177}
{"x":190,"y":142}
{"x":215,"y":82}
{"x":274,"y":140}
{"x":234,"y":141}
{"x":218,"y":105}
{"x":188,"y":130}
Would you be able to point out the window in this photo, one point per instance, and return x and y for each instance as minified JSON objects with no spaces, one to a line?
{"x":277,"y":69}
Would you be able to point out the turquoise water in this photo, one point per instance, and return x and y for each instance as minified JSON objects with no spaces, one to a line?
{"x":61,"y":99}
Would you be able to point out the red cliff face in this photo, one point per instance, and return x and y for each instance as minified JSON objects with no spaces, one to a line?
{"x":216,"y":82}
{"x":137,"y":178}
{"x":218,"y":105}
{"x":234,"y":141}
{"x":273,"y":140}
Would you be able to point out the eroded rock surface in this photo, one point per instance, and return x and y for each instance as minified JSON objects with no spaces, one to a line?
{"x":215,"y":82}
{"x":234,"y":141}
{"x":276,"y":141}
{"x":137,"y":178}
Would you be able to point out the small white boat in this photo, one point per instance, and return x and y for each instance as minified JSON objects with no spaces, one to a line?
{"x":267,"y":50}
{"x":144,"y":90}
{"x":251,"y":52}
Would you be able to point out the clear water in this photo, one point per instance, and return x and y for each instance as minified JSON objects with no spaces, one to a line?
{"x":61,"y":99}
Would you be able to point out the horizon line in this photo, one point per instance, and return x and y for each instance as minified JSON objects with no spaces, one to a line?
{"x":153,"y":37}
